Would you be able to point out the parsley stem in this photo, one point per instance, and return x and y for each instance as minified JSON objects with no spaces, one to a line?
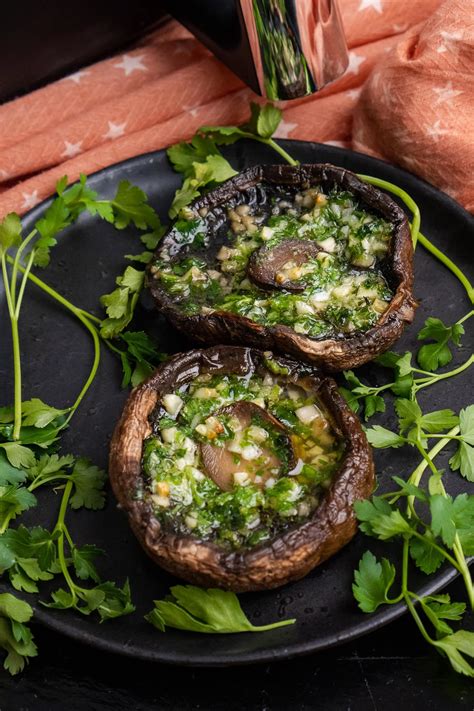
{"x":94,"y":367}
{"x":417,"y":618}
{"x":46,"y":480}
{"x":61,"y":527}
{"x":23,"y":284}
{"x":16,"y":260}
{"x":79,"y":314}
{"x":273,"y":144}
{"x":16,"y":349}
{"x":425,"y":382}
{"x":430,"y":247}
{"x":462,"y":566}
{"x":417,"y":473}
{"x":16,"y":379}
{"x":464,"y":318}
{"x":90,"y":316}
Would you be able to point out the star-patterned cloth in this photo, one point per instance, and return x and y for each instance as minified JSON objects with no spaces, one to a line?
{"x":407,"y":95}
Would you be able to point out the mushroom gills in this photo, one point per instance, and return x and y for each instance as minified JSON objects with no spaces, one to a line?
{"x":258,"y":450}
{"x":282,"y":266}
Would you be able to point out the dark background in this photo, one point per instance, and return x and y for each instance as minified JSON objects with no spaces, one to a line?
{"x":392,"y":669}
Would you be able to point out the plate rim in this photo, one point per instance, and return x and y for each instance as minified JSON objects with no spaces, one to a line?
{"x":368,"y":623}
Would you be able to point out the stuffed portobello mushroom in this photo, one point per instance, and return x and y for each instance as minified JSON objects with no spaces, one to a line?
{"x":238,"y":468}
{"x":307,"y":260}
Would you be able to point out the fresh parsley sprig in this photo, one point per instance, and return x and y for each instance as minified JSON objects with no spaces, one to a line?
{"x":203,"y":165}
{"x":445,"y":536}
{"x":211,"y":611}
{"x":432,"y":356}
{"x":15,"y":635}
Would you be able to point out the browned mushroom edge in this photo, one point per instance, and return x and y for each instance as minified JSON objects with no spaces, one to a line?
{"x":332,"y":354}
{"x":287,"y":557}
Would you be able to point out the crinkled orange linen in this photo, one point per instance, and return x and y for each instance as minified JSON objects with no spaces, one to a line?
{"x":407,"y":96}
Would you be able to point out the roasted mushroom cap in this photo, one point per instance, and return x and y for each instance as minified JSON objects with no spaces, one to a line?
{"x":279,"y":267}
{"x":286,"y":557}
{"x":333,"y":353}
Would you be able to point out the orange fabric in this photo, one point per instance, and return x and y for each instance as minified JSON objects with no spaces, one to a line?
{"x":412,"y":61}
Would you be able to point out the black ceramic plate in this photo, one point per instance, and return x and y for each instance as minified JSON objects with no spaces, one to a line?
{"x":56,"y":355}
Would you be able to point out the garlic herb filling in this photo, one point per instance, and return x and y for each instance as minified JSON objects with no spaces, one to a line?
{"x":342,"y":288}
{"x":238,"y":459}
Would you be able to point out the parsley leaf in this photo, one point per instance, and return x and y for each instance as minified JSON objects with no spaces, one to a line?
{"x":463,"y":458}
{"x":120,"y":303}
{"x":83,"y":561}
{"x":10,"y":232}
{"x":378,"y":519}
{"x":213,"y":169}
{"x":381,"y":438}
{"x":37,"y":414}
{"x":207,"y":611}
{"x":454,"y":646}
{"x":372,"y":582}
{"x":401,"y":365}
{"x":18,"y":455}
{"x":14,"y":500}
{"x":88,"y":481}
{"x":425,"y":556}
{"x":139,"y":359}
{"x":435,"y":355}
{"x":264,"y":120}
{"x":130,"y":205}
{"x":107,"y":599}
{"x":15,"y":637}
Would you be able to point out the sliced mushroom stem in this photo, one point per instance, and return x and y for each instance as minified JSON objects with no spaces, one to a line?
{"x":249,"y":456}
{"x":280,"y":267}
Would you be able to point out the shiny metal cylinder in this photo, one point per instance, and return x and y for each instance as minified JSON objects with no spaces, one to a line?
{"x":297,"y":46}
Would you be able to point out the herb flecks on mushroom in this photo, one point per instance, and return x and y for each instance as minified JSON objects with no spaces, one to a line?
{"x":322,"y":252}
{"x":305,"y":260}
{"x":236,"y":458}
{"x":287,"y":502}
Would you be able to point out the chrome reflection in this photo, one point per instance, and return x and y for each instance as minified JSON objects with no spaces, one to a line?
{"x":298,"y":46}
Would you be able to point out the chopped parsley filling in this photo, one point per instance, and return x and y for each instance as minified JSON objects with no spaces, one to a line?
{"x":344,"y":289}
{"x":238,"y":459}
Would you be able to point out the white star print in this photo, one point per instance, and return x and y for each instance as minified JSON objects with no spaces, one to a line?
{"x":284,"y":129}
{"x":4,"y":174}
{"x":77,"y":76}
{"x":354,"y":93}
{"x":376,"y":4}
{"x":400,"y":28}
{"x":71,"y":149}
{"x":131,"y":64}
{"x":193,"y":110}
{"x":115,"y":130}
{"x":446,"y":93}
{"x":30,"y":200}
{"x":451,"y":36}
{"x":435,"y":131}
{"x":448,"y":38}
{"x":355,"y":60}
